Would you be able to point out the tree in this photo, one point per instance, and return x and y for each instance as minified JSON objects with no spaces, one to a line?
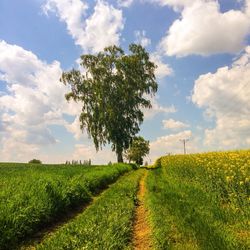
{"x":35,"y":161}
{"x":138,"y":149}
{"x":112,"y":91}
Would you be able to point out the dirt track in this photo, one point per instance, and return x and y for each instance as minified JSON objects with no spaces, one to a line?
{"x":141,"y":237}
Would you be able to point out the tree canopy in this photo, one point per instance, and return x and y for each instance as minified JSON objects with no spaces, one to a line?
{"x":137,"y":150}
{"x":112,"y":91}
{"x":35,"y":161}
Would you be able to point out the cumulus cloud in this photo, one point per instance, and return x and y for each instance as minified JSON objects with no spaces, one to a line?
{"x":71,"y":12}
{"x":93,"y":33}
{"x":125,"y":3}
{"x":162,"y":69}
{"x":74,"y":128}
{"x":157,"y":108}
{"x":140,"y":38}
{"x":34,"y":100}
{"x":85,"y":152}
{"x":193,"y":33}
{"x":172,"y":144}
{"x":173,"y":124}
{"x":247,"y":7}
{"x":176,"y":4}
{"x":225,"y":97}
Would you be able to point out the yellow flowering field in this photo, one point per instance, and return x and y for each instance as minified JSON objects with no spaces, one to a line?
{"x":202,"y":200}
{"x":227,"y":173}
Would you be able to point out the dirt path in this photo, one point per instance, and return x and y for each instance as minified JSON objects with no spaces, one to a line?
{"x":141,"y":235}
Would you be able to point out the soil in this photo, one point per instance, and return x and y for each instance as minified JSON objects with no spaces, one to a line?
{"x":142,"y":232}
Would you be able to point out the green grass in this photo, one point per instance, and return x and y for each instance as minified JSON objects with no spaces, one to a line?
{"x":106,"y":224}
{"x":33,"y":196}
{"x":193,"y":206}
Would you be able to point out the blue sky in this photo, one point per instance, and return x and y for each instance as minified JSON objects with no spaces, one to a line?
{"x":201,"y":48}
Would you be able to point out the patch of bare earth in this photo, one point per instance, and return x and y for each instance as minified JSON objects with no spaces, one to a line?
{"x":141,"y":234}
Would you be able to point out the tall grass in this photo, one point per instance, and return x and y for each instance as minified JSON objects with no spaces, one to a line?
{"x":34,"y":196}
{"x":106,"y":224}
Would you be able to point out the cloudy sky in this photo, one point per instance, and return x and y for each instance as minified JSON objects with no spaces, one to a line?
{"x":201,"y":48}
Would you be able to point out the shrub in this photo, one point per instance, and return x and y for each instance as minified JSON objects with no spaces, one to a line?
{"x":35,"y":161}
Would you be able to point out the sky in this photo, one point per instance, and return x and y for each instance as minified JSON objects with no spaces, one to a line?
{"x":201,"y":49}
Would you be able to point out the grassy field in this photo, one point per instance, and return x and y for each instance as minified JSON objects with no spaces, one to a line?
{"x":107,"y":224}
{"x":201,"y":201}
{"x":33,"y":196}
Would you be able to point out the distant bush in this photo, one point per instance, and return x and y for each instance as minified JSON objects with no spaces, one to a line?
{"x":35,"y":161}
{"x":158,"y":163}
{"x":134,"y":165}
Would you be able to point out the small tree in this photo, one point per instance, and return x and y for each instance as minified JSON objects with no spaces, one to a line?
{"x":138,"y":149}
{"x":112,"y":92}
{"x":35,"y":161}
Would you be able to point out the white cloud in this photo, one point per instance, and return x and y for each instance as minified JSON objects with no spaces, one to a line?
{"x":176,"y":4}
{"x":247,"y":7}
{"x":74,"y":128}
{"x":157,"y":108}
{"x":34,"y":100}
{"x":101,"y":29}
{"x":225,"y":96}
{"x":173,"y":124}
{"x":140,"y":38}
{"x":162,"y":69}
{"x":172,"y":144}
{"x":204,"y":30}
{"x":15,"y":151}
{"x":72,"y":12}
{"x":125,"y":3}
{"x":85,"y":152}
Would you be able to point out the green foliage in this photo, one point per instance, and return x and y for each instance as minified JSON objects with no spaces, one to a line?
{"x":33,"y":196}
{"x":200,"y":201}
{"x":106,"y":224}
{"x":157,"y":163}
{"x":112,"y":92}
{"x":35,"y":161}
{"x":137,"y":150}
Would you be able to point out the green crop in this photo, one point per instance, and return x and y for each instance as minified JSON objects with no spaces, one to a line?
{"x":106,"y":224}
{"x":33,"y":196}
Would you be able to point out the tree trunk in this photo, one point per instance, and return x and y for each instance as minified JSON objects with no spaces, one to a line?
{"x":119,"y":156}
